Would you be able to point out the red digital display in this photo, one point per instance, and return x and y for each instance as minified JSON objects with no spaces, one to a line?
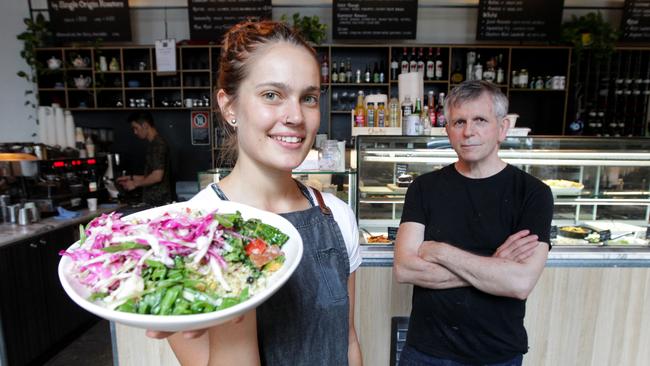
{"x":76,"y":162}
{"x":91,"y":161}
{"x":58,"y":164}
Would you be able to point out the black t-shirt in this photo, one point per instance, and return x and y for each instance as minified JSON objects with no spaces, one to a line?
{"x":157,"y":157}
{"x":477,"y":215}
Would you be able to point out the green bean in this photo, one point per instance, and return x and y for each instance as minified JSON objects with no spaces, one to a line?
{"x":128,"y":307}
{"x":166,"y":306}
{"x":201,"y":307}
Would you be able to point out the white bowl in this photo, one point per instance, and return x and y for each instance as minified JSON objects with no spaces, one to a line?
{"x":172,"y":323}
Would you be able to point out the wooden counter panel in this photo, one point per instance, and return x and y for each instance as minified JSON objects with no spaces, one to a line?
{"x":135,"y":348}
{"x":575,"y":316}
{"x":590,"y":316}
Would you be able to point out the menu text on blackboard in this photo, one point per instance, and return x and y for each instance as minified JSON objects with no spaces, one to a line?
{"x":210,"y":19}
{"x":635,"y":25}
{"x":79,"y":20}
{"x":367,"y":19}
{"x":519,"y":20}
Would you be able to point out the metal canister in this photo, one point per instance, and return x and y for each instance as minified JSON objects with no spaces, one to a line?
{"x":24,"y":216}
{"x":12,"y":213}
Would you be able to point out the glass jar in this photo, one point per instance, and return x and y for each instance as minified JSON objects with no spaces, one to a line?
{"x":523,"y":78}
{"x":329,"y":156}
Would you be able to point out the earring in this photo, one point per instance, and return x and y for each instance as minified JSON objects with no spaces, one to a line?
{"x":233,"y":122}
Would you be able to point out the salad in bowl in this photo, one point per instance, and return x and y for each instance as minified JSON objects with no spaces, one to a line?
{"x":179,"y":267}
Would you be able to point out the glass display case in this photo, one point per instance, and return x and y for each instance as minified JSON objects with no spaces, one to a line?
{"x":601,"y":187}
{"x":340,"y":183}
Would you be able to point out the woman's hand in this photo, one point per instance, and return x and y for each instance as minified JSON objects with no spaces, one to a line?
{"x":189,"y":334}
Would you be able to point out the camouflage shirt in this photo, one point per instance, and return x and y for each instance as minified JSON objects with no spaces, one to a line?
{"x":157,"y":157}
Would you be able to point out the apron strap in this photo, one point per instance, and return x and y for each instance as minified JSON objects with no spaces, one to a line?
{"x":321,"y":203}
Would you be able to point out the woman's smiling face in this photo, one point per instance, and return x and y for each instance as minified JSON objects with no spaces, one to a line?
{"x":277,"y":106}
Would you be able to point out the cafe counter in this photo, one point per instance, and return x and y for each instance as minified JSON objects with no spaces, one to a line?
{"x":37,"y":318}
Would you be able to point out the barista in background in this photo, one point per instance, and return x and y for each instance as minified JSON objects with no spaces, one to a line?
{"x":155,"y":183}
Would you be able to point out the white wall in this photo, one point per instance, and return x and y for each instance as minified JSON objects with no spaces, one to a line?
{"x":452,"y":24}
{"x":15,"y":124}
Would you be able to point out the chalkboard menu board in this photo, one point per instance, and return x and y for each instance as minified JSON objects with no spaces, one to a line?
{"x":635,"y":25}
{"x":79,"y":20}
{"x":519,"y":20}
{"x":210,"y":19}
{"x":367,"y":19}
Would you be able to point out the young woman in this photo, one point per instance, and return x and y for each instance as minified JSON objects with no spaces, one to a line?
{"x":269,"y":89}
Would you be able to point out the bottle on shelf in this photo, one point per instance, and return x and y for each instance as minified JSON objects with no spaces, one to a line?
{"x":342,"y":73}
{"x":500,"y":76}
{"x":515,"y":79}
{"x":407,"y":107}
{"x":420,"y":62}
{"x":440,"y":115}
{"x":394,"y":113}
{"x":439,"y":65}
{"x":382,"y":75}
{"x":425,"y":121}
{"x":394,"y":67}
{"x":489,"y":74}
{"x":380,"y":115}
{"x":431,"y":104}
{"x":418,"y":107}
{"x":348,"y":71}
{"x":523,"y":78}
{"x":478,"y":69}
{"x":366,"y":75}
{"x":370,"y":114}
{"x":335,"y":72}
{"x":375,"y":73}
{"x":431,"y":66}
{"x":404,"y":63}
{"x":324,"y":70}
{"x":413,"y":63}
{"x":357,"y":78}
{"x":457,"y":76}
{"x":360,"y":111}
{"x":469,"y":70}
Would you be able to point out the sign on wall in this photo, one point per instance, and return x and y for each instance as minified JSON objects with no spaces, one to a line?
{"x":200,"y":126}
{"x":635,"y":25}
{"x":368,"y":19}
{"x":79,"y":20}
{"x":210,"y":19}
{"x":519,"y":20}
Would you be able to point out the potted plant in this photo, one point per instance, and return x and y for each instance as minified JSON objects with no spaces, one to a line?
{"x":309,"y":27}
{"x":33,"y":37}
{"x":590,"y":32}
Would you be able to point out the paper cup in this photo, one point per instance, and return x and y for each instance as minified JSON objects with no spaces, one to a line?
{"x":92,"y":204}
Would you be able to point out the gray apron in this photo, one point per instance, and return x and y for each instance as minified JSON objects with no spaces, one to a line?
{"x":306,"y":321}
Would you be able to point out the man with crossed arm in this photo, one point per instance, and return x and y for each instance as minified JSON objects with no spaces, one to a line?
{"x":473,"y":240}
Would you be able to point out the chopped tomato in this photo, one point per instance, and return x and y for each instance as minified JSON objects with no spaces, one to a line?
{"x":255,"y":246}
{"x":260,"y":259}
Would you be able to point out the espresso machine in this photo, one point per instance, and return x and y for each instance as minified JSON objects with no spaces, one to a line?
{"x":67,"y":182}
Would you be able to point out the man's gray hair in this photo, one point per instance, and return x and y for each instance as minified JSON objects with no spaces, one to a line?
{"x":472,"y":90}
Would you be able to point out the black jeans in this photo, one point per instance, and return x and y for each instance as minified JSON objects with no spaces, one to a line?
{"x":412,"y":357}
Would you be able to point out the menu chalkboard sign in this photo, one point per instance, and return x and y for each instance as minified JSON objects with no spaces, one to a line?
{"x":519,"y":20}
{"x":79,"y":20}
{"x":210,"y":19}
{"x":635,"y":25}
{"x":367,"y":19}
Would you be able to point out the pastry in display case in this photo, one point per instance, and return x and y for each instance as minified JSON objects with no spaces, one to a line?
{"x":601,"y":187}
